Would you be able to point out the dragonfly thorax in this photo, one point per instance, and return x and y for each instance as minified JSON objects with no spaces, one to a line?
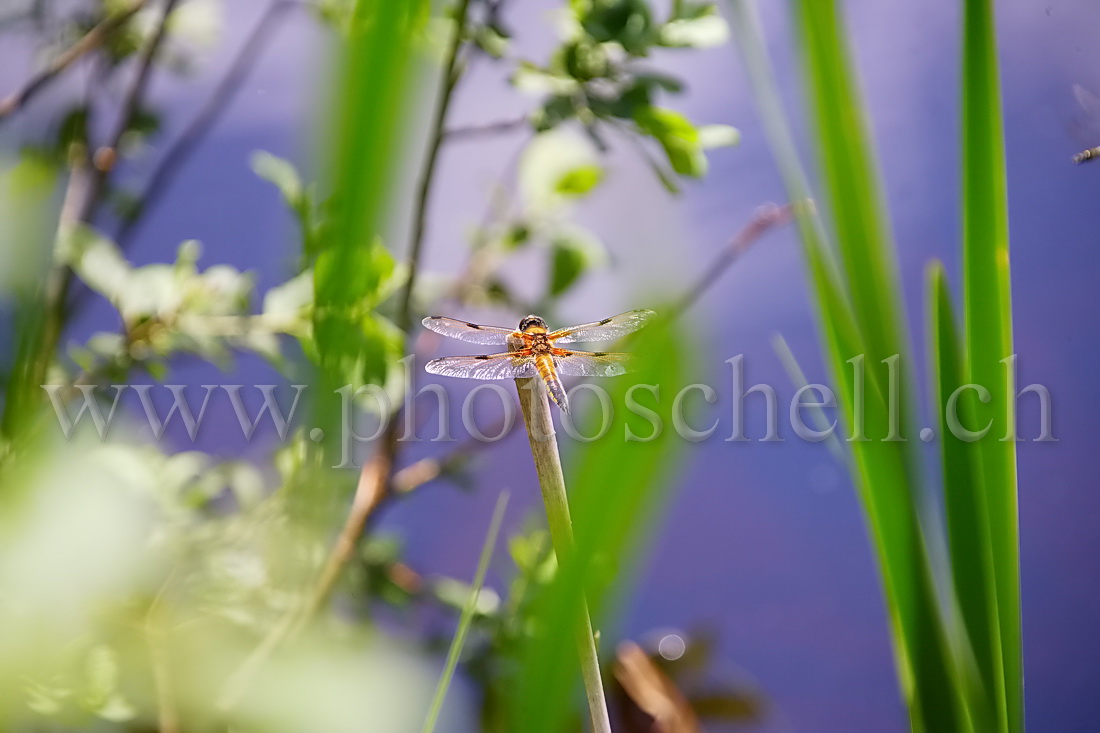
{"x":539,"y":343}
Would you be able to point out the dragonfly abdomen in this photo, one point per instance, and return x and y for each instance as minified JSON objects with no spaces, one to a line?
{"x":545,"y":365}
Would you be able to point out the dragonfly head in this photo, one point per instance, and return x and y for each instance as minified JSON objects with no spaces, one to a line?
{"x":532,"y":322}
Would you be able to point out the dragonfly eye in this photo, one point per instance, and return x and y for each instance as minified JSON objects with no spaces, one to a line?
{"x":530,"y":321}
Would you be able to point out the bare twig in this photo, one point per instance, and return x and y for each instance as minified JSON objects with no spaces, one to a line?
{"x":193,"y":134}
{"x":107,"y":156}
{"x":766,"y":217}
{"x":87,"y":180}
{"x":90,"y":41}
{"x":534,"y":402}
{"x":451,"y":75}
{"x":490,"y":128}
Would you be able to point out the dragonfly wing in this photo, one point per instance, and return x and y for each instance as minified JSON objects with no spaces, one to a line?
{"x":591,"y":363}
{"x":511,"y":365}
{"x":609,"y":329}
{"x":470,"y":332}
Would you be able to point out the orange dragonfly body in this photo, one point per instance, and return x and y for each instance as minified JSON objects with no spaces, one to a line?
{"x":533,"y":350}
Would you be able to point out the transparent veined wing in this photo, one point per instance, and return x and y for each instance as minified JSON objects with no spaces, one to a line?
{"x":470,"y":332}
{"x":609,"y":329}
{"x":511,"y":365}
{"x":591,"y":364}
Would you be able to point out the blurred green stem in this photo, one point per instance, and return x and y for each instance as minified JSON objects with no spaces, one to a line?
{"x":467,"y":614}
{"x":534,"y":402}
{"x":375,"y":476}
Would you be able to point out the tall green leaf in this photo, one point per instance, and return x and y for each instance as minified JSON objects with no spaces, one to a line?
{"x":859,"y":312}
{"x":967,"y":526}
{"x":372,"y":101}
{"x":987,"y":310}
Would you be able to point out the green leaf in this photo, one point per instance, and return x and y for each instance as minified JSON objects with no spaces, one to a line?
{"x":718,"y":136}
{"x":987,"y":307}
{"x":572,"y":253}
{"x":705,"y":31}
{"x":282,"y":173}
{"x":369,"y":122}
{"x":677,"y":136}
{"x":579,"y":181}
{"x":555,"y":168}
{"x":626,"y":22}
{"x":970,"y":551}
{"x":859,"y":311}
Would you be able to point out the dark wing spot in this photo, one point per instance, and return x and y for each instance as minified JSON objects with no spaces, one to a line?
{"x":605,"y":321}
{"x":482,"y":356}
{"x":473,"y":325}
{"x":435,"y":318}
{"x":599,"y":353}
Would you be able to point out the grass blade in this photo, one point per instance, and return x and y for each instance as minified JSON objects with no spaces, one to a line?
{"x":988,"y":323}
{"x":859,"y":312}
{"x":467,"y":616}
{"x":967,"y":527}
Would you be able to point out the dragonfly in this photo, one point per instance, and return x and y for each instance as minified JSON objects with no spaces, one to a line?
{"x":534,"y":351}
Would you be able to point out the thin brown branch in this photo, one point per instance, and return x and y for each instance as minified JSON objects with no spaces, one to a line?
{"x":766,"y":217}
{"x":486,"y":129}
{"x":87,"y":181}
{"x":451,"y":75}
{"x":210,"y":113}
{"x":90,"y":41}
{"x":107,"y":156}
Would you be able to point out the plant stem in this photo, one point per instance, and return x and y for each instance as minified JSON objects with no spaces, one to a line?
{"x":467,"y":614}
{"x":451,"y":74}
{"x":534,"y":402}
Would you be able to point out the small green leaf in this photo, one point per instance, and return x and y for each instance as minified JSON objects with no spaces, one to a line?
{"x":705,"y":31}
{"x":718,"y":136}
{"x":572,"y":253}
{"x":291,"y":298}
{"x":280,"y":172}
{"x":579,"y":181}
{"x":677,"y":136}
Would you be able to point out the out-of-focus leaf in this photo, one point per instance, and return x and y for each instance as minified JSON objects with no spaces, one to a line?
{"x":579,"y":181}
{"x":290,"y":299}
{"x":718,"y":136}
{"x":705,"y":31}
{"x":677,"y":136}
{"x":572,"y":253}
{"x":280,"y":172}
{"x":368,"y":124}
{"x":557,"y":167}
{"x":626,"y":22}
{"x":533,"y":80}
